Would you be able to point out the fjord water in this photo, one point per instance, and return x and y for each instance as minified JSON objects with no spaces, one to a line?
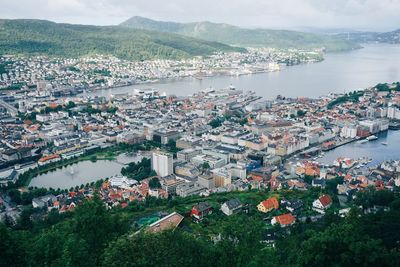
{"x":374,"y":150}
{"x":339,"y":72}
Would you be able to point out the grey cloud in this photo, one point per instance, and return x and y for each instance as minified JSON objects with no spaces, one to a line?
{"x":365,"y":14}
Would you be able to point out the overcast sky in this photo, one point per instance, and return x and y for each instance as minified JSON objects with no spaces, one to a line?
{"x":355,"y":14}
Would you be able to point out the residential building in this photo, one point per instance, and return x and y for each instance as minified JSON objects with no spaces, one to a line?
{"x":231,"y":206}
{"x":201,"y":210}
{"x":322,"y":204}
{"x":268,"y":205}
{"x":162,"y":163}
{"x":284,"y":220}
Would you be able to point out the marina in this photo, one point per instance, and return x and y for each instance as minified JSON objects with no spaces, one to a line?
{"x":377,"y":150}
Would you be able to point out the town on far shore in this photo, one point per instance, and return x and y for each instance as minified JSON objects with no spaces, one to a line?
{"x":217,"y":152}
{"x":72,"y":76}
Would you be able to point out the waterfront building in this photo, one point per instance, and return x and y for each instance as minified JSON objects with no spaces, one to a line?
{"x":349,"y":131}
{"x":122,"y":181}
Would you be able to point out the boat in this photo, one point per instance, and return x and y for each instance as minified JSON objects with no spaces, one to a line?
{"x":385,"y":143}
{"x":394,"y":126}
{"x":371,"y":138}
{"x":362,"y":141}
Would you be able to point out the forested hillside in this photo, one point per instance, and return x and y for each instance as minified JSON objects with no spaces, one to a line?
{"x":94,"y":236}
{"x":229,"y":34}
{"x":68,"y":40}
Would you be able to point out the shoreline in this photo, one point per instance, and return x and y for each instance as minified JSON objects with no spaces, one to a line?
{"x":182,"y":78}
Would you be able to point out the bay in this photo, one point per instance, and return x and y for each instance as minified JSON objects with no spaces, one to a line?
{"x":374,"y":150}
{"x":339,"y":72}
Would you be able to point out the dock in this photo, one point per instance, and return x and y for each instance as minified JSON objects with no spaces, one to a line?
{"x":345,"y":142}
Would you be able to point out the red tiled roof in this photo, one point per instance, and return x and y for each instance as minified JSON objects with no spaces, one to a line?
{"x":325,"y":200}
{"x":271,"y":203}
{"x":285,"y":219}
{"x":115,"y":196}
{"x":50,"y":157}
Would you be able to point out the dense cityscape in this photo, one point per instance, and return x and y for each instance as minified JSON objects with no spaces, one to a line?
{"x":218,"y":140}
{"x":230,"y":133}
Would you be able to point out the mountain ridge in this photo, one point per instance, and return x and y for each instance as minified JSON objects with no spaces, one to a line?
{"x":245,"y":37}
{"x":28,"y":36}
{"x":390,"y":37}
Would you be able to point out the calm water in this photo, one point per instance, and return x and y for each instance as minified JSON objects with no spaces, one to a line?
{"x":80,"y":173}
{"x":338,"y":72}
{"x":372,"y":149}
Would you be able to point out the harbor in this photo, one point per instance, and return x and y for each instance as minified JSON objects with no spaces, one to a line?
{"x":378,"y":149}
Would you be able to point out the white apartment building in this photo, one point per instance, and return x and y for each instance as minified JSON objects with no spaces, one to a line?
{"x":349,"y":131}
{"x":393,"y":113}
{"x":162,"y":163}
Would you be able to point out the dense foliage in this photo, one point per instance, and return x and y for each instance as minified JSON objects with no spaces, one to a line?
{"x":384,"y":87}
{"x":352,"y":96}
{"x":139,"y":170}
{"x":229,"y":34}
{"x":93,"y":236}
{"x":44,"y":37}
{"x":215,"y":123}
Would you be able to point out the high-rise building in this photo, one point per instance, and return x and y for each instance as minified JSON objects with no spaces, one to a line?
{"x":162,"y":163}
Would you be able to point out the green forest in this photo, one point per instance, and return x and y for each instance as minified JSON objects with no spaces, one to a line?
{"x":95,"y":236}
{"x":229,"y":34}
{"x":67,"y":40}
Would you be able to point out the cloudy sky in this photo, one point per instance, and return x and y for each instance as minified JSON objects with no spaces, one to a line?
{"x":355,"y":14}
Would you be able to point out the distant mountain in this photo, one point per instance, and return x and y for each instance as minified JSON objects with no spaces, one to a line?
{"x":392,"y":37}
{"x":237,"y":36}
{"x":322,"y":30}
{"x":45,"y":37}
